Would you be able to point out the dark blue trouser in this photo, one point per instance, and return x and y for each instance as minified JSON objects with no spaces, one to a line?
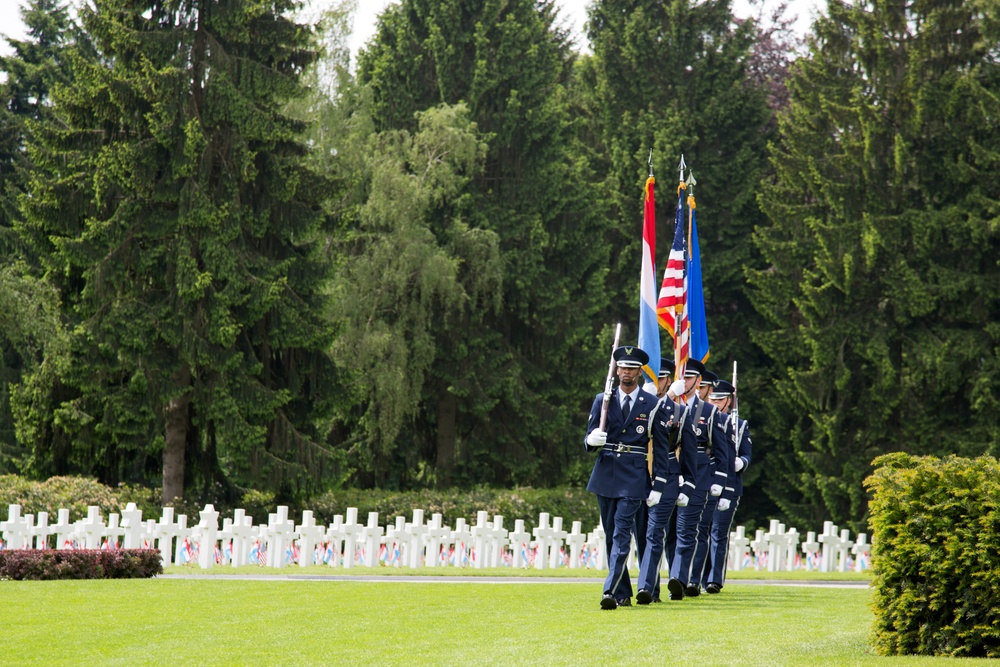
{"x":641,"y":524}
{"x":718,"y":551}
{"x":618,"y":519}
{"x":702,"y":546}
{"x":656,"y":534}
{"x":687,"y":536}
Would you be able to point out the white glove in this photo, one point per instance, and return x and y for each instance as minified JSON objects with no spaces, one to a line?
{"x":680,"y":480}
{"x":715,"y":490}
{"x":597,"y":438}
{"x":676,"y":388}
{"x":723,"y":504}
{"x":654,"y":498}
{"x":738,"y":464}
{"x":682,"y":500}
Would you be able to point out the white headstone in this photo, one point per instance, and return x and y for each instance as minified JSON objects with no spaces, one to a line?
{"x":42,"y":531}
{"x":862,"y":553}
{"x":543,"y":541}
{"x":372,"y":538}
{"x":167,"y":530}
{"x":831,"y":542}
{"x":132,"y":525}
{"x":209,"y":530}
{"x":437,"y":534}
{"x":760,"y":547}
{"x":811,"y":550}
{"x":574,"y":544}
{"x":738,"y":545}
{"x":309,"y":535}
{"x":843,"y":549}
{"x":15,"y":530}
{"x":64,"y":530}
{"x":417,"y":530}
{"x":520,"y":544}
{"x":352,"y":532}
{"x":92,"y":528}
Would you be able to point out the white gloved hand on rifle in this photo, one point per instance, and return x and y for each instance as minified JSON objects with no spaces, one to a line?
{"x":597,"y":438}
{"x":738,"y":463}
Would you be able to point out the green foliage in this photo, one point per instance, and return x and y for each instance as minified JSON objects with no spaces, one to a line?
{"x":73,"y":493}
{"x":572,"y":504}
{"x":29,"y":312}
{"x":173,"y":212}
{"x":936,"y":555}
{"x":492,"y":406}
{"x":882,"y":288}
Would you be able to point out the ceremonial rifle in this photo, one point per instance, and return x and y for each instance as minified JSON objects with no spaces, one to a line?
{"x":610,"y":382}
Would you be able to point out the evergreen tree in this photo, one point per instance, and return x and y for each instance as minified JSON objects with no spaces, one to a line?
{"x":172,"y":210}
{"x":882,"y":282}
{"x":502,"y":401}
{"x":34,"y":67}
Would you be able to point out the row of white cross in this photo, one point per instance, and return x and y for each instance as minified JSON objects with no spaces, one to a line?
{"x":347,"y":543}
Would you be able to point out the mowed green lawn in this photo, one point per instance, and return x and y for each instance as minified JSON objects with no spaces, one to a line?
{"x":212,"y":621}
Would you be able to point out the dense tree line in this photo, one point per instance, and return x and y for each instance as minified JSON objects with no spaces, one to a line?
{"x":232,"y":262}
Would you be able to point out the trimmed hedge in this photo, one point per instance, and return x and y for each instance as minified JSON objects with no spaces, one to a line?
{"x":72,"y":493}
{"x":25,"y":564}
{"x":936,"y":555}
{"x":571,"y":503}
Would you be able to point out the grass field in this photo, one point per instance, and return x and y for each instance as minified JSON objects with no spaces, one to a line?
{"x":212,"y":621}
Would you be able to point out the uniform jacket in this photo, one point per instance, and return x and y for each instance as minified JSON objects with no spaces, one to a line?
{"x":665,"y":431}
{"x":708,"y":427}
{"x":622,"y":474}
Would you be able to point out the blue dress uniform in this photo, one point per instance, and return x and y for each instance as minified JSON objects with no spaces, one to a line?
{"x":620,"y":478}
{"x":721,"y":448}
{"x":712,"y":468}
{"x":718,"y":554}
{"x":668,"y":439}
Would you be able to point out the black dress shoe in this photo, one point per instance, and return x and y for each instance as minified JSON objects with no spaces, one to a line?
{"x":608,"y":602}
{"x":656,"y":599}
{"x":712,"y":588}
{"x":692,"y":591}
{"x":624,"y":602}
{"x":676,"y":589}
{"x":643,"y":597}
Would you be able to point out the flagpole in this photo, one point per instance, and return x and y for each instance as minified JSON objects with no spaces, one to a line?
{"x":680,"y":365}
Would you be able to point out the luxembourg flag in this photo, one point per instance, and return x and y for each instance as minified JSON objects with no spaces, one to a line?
{"x":649,"y":333}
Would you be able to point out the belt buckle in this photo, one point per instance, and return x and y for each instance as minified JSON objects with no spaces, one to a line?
{"x":619,"y":447}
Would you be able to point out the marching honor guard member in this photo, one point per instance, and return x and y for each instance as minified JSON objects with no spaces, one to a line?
{"x":620,"y":478}
{"x":718,"y":447}
{"x":710,"y":478}
{"x":674,"y":455}
{"x":714,"y":577}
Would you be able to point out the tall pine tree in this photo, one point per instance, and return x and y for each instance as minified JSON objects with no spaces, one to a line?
{"x":502,"y":400}
{"x":882,"y":282}
{"x":172,"y":209}
{"x":30,"y":312}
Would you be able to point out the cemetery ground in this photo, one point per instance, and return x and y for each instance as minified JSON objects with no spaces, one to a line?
{"x":208,"y":619}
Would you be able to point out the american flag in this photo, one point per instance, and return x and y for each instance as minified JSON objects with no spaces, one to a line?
{"x":671,"y":308}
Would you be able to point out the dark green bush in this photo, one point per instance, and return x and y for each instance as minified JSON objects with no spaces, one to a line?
{"x":24,"y":564}
{"x":936,"y":555}
{"x":571,"y":503}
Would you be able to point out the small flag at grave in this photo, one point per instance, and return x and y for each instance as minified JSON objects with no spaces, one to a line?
{"x":328,"y":554}
{"x":383,"y":554}
{"x":217,"y":553}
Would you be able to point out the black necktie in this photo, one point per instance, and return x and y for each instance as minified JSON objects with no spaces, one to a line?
{"x":626,"y":407}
